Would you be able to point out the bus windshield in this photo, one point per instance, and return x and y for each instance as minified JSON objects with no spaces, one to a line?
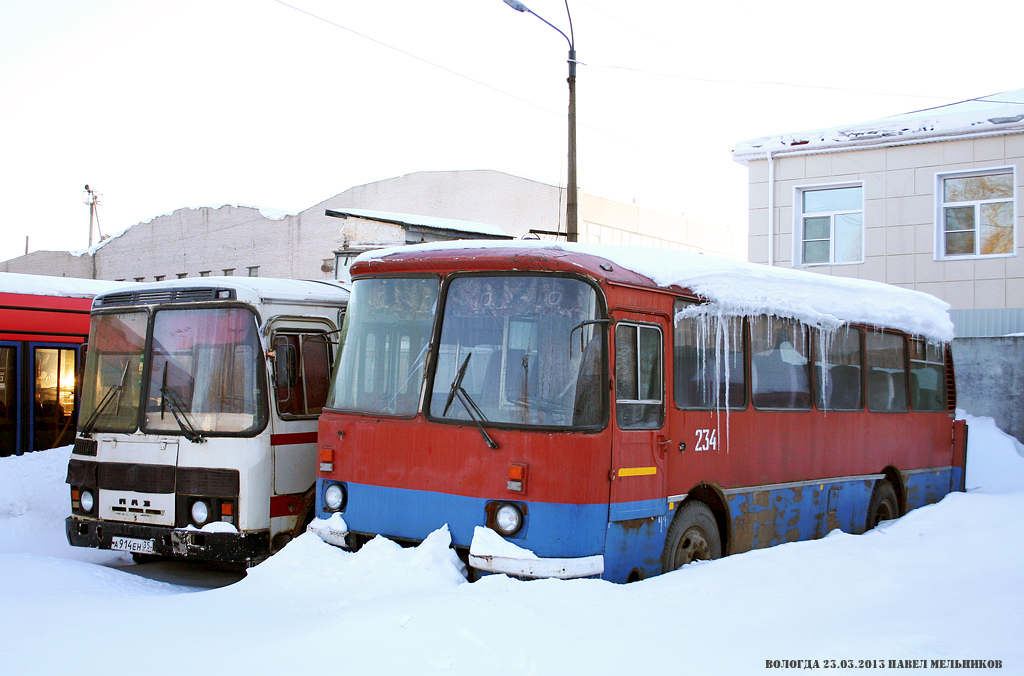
{"x":521,"y":349}
{"x":113,"y":371}
{"x":383,"y":346}
{"x":207,"y":373}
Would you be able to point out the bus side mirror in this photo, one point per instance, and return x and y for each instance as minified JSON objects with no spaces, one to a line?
{"x":286,"y":362}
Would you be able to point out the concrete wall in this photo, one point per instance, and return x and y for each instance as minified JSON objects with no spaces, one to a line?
{"x":990,"y":380}
{"x":55,"y":263}
{"x":900,"y":213}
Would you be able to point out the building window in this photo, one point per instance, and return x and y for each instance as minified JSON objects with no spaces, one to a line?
{"x":254,"y":270}
{"x":182,"y":275}
{"x":229,"y":272}
{"x":976,"y":214}
{"x":140,"y":279}
{"x":831,"y":226}
{"x":204,"y":273}
{"x":158,"y":278}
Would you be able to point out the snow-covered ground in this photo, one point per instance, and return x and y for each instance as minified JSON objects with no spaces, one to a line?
{"x":942,"y":583}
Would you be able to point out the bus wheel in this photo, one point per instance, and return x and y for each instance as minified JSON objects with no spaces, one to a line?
{"x":692,"y":536}
{"x":884,"y":505}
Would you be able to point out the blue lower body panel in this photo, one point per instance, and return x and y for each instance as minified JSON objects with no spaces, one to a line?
{"x":925,"y":487}
{"x":549,"y":529}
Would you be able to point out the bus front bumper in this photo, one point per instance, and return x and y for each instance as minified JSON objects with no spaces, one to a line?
{"x":489,"y":553}
{"x":166,"y":541}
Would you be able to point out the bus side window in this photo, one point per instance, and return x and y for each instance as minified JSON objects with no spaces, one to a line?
{"x":779,"y":364}
{"x":927,"y":376}
{"x":887,"y":375}
{"x":638,"y":376}
{"x":708,"y":360}
{"x":8,"y":400}
{"x":838,"y":369}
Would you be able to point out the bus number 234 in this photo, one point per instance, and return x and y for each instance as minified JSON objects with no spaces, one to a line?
{"x":707,"y":440}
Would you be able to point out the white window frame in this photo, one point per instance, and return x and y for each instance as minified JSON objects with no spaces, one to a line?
{"x":798,"y":224}
{"x":940,"y":211}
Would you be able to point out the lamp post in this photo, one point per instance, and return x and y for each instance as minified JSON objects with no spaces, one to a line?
{"x":572,"y":203}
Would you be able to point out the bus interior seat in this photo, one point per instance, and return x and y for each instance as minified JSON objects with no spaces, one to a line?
{"x":844,"y":387}
{"x":777,"y":383}
{"x":899,"y":391}
{"x":880,"y":391}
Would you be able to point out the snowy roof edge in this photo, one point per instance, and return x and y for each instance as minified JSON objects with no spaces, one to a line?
{"x":998,"y":114}
{"x":742,"y":288}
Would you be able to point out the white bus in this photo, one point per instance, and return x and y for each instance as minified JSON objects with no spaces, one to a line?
{"x":197,"y":432}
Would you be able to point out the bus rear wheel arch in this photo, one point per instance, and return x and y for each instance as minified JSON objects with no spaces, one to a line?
{"x":693,"y":535}
{"x":884,"y":505}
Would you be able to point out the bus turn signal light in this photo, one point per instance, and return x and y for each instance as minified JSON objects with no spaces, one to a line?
{"x":517,"y":478}
{"x":326,"y":459}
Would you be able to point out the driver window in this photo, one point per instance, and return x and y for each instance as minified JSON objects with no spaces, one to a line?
{"x":638,"y":376}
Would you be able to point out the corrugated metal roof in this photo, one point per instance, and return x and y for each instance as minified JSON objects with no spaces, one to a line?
{"x":987,"y":322}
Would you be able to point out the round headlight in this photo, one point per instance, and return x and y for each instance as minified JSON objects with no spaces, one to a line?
{"x":334,"y":497}
{"x":508,"y":519}
{"x":200,"y":512}
{"x":86,"y":501}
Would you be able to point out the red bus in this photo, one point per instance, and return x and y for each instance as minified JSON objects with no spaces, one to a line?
{"x":573,"y":410}
{"x":44,"y":323}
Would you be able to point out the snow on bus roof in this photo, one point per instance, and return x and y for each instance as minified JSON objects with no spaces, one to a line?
{"x":740,"y":288}
{"x":44,"y":285}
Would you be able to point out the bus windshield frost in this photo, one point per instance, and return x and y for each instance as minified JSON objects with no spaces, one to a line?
{"x":497,"y":361}
{"x":206,"y":373}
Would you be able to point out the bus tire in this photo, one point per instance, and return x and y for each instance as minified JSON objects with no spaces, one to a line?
{"x":884,"y":505}
{"x":692,"y":536}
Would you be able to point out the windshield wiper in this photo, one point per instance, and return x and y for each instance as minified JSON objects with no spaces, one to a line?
{"x":467,"y":401}
{"x":183,"y":422}
{"x":86,"y":429}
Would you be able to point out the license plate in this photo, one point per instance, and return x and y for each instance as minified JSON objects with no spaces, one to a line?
{"x":133,"y":545}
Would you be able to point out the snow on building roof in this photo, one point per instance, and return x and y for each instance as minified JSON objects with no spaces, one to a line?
{"x":43,"y":285}
{"x":451,"y":224}
{"x":740,"y":288}
{"x":996,"y":114}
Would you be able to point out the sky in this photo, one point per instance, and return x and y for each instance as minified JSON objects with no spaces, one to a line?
{"x":163,"y":105}
{"x":940,"y":583}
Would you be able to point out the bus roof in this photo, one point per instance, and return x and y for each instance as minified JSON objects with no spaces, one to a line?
{"x":43,"y":285}
{"x":264,"y":288}
{"x":730,"y":287}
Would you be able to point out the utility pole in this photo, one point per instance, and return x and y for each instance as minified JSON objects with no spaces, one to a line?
{"x":572,"y":203}
{"x":93,"y":199}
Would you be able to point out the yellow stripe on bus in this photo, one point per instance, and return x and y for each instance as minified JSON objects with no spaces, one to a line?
{"x":638,"y":471}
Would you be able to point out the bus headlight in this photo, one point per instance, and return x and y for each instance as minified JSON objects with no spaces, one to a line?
{"x":86,"y":501}
{"x":508,"y":519}
{"x":200,"y":512}
{"x":334,"y":497}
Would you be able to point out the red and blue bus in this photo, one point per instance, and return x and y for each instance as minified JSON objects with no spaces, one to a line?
{"x":44,"y":324}
{"x":572,"y":411}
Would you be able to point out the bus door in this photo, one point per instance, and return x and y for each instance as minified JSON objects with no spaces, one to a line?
{"x":10,"y":401}
{"x":52,"y":394}
{"x":301,"y":377}
{"x":640,"y":440}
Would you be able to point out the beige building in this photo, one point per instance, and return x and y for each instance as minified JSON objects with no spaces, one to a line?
{"x":925,"y":200}
{"x":423,"y":206}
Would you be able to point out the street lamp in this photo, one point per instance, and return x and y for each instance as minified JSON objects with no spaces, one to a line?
{"x":571,"y":205}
